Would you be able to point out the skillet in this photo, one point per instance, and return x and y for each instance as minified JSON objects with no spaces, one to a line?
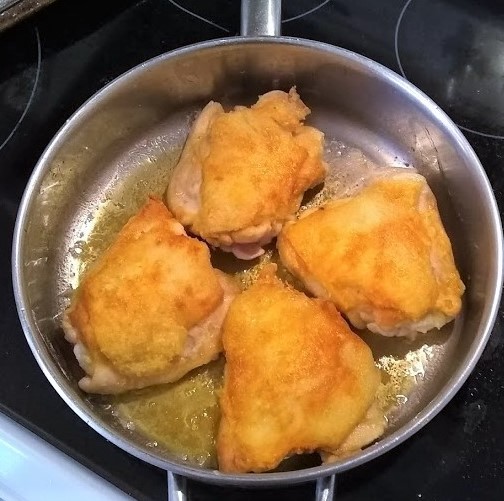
{"x":98,"y":163}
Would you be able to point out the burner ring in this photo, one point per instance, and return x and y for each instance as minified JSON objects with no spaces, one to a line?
{"x":307,"y":10}
{"x":403,"y":73}
{"x":32,"y":93}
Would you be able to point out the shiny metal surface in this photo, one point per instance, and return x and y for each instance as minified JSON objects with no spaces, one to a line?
{"x":177,"y":487}
{"x":6,"y":4}
{"x":141,"y":120}
{"x":261,"y":17}
{"x":325,"y":489}
{"x":13,"y":11}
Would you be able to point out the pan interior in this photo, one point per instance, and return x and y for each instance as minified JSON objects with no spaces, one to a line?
{"x":121,"y":147}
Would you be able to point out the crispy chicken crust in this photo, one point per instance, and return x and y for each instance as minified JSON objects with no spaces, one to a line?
{"x":242,"y":174}
{"x":150,"y":309}
{"x":382,"y":256}
{"x":296,"y":379}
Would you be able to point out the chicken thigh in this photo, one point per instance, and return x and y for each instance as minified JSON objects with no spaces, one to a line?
{"x":296,"y":379}
{"x":382,"y":256}
{"x":242,"y":174}
{"x":150,"y":309}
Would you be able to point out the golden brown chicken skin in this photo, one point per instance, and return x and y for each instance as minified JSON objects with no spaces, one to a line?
{"x":150,"y":309}
{"x":382,"y":256}
{"x":296,"y":379}
{"x":242,"y":174}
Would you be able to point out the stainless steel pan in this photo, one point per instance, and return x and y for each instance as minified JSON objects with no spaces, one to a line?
{"x":98,"y":162}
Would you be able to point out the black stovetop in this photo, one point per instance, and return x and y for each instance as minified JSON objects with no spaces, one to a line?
{"x":452,"y":49}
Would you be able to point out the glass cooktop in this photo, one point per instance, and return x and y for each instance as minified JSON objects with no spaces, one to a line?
{"x":452,"y":49}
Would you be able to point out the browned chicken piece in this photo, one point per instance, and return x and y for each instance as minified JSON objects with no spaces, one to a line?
{"x":150,"y":309}
{"x":382,"y":256}
{"x":242,"y":174}
{"x":296,"y":379}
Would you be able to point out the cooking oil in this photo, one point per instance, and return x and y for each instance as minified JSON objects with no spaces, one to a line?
{"x":182,"y":417}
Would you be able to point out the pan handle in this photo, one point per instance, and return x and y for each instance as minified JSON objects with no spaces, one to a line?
{"x":177,"y":487}
{"x":261,"y":18}
{"x":325,"y":489}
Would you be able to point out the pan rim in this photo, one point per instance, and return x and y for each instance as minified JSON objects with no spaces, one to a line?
{"x":451,"y":387}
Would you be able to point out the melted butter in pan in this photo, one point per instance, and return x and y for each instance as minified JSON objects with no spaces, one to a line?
{"x":102,"y":225}
{"x":182,"y":417}
{"x":400,"y":375}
